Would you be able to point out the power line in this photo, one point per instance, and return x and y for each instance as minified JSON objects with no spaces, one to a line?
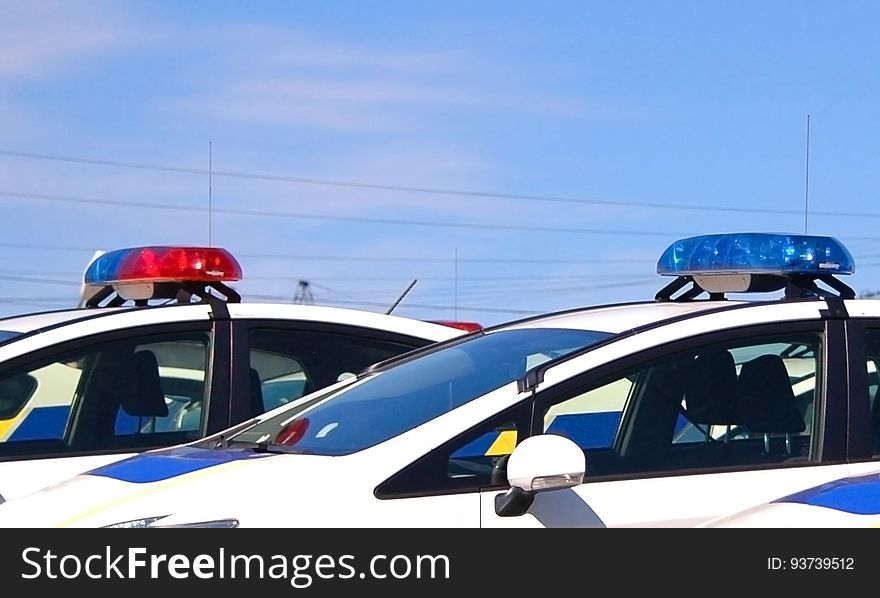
{"x":408,"y":305}
{"x":404,"y":188}
{"x":65,"y":301}
{"x":415,"y":260}
{"x":31,"y":272}
{"x":42,"y":247}
{"x":282,"y":278}
{"x":355,"y":219}
{"x":345,"y":258}
{"x":38,"y":280}
{"x":444,"y":260}
{"x":487,"y":278}
{"x":383,"y":221}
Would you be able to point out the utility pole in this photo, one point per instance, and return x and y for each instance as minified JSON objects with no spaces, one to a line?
{"x":304,"y":293}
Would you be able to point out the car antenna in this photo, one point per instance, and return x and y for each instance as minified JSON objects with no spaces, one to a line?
{"x":402,"y":295}
{"x":807,"y":177}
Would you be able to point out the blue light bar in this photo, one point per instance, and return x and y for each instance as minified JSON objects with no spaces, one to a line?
{"x":755,"y":253}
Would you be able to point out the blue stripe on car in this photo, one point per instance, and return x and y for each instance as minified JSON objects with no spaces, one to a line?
{"x":155,"y":467}
{"x":858,"y":496}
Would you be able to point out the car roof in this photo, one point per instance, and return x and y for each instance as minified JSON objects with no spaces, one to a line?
{"x":293,"y":312}
{"x":30,"y":322}
{"x":621,"y":317}
{"x":339,"y":315}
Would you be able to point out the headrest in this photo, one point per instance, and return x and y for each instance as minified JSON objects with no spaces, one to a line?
{"x":145,"y":397}
{"x":710,"y":395}
{"x":766,"y":400}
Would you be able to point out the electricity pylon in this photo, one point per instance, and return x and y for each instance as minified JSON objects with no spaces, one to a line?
{"x":304,"y":293}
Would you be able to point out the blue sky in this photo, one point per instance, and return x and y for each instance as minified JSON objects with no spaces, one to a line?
{"x":509,"y":157}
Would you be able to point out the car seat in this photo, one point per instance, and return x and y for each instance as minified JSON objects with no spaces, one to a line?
{"x":766,"y":401}
{"x":710,"y":391}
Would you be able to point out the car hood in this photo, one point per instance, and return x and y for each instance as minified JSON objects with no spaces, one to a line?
{"x":171,"y":487}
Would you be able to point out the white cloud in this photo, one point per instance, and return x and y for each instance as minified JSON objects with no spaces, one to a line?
{"x":37,"y":38}
{"x":284,"y":49}
{"x":362,"y":103}
{"x":285,"y":77}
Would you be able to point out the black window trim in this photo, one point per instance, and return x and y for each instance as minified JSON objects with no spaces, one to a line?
{"x":859,"y":446}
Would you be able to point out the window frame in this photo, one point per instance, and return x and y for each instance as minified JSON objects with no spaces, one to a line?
{"x":829,"y":431}
{"x":60,"y":448}
{"x":859,"y":445}
{"x":828,"y":436}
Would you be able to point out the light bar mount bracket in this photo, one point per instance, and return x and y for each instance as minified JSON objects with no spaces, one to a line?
{"x":796,"y":286}
{"x":180,"y":292}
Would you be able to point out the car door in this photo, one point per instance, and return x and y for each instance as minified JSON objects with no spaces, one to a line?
{"x":674,"y":435}
{"x":90,"y":401}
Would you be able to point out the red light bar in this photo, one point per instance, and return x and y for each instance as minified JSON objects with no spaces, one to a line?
{"x":163,"y":264}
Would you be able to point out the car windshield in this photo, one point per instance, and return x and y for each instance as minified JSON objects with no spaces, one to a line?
{"x":413,"y":392}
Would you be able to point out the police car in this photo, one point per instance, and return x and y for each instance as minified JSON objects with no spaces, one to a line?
{"x":165,"y":352}
{"x":750,"y":375}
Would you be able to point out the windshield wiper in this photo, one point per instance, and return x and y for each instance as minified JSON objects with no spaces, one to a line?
{"x":273,"y":447}
{"x":222,"y":440}
{"x":260,"y":447}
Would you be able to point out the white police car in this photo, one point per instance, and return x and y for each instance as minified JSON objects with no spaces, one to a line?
{"x":668,"y":412}
{"x":165,"y":352}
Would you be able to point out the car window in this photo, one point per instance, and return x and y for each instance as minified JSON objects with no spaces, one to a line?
{"x":413,"y":392}
{"x":477,"y":459}
{"x":724,"y":405}
{"x":118,"y":394}
{"x":289,"y":363}
{"x":591,"y":418}
{"x":483,"y":457}
{"x":721,"y":406}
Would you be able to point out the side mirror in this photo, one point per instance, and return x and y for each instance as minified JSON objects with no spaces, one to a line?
{"x":537,"y":464}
